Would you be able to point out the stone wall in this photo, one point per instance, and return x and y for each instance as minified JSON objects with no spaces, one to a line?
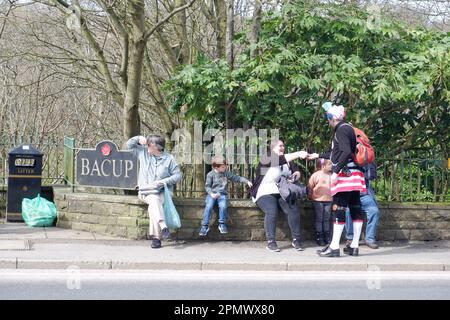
{"x":125,"y":216}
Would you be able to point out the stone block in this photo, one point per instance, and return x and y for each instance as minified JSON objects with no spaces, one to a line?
{"x":136,"y":233}
{"x":407,"y":214}
{"x":108,"y":220}
{"x":425,"y":235}
{"x":127,"y":221}
{"x":74,"y":217}
{"x":97,"y":228}
{"x":61,"y":205}
{"x":189,"y":223}
{"x":119,"y":209}
{"x":413,"y":225}
{"x":386,"y":235}
{"x":138,"y":211}
{"x":79,"y":207}
{"x":406,"y":206}
{"x":100,"y":208}
{"x":257,"y":234}
{"x":438,"y":215}
{"x":191,"y":213}
{"x":401,"y":235}
{"x":143,"y":222}
{"x":81,"y":226}
{"x":119,"y":231}
{"x":445,"y":234}
{"x":247,"y":213}
{"x":64,"y":224}
{"x":91,"y":218}
{"x":187,"y":234}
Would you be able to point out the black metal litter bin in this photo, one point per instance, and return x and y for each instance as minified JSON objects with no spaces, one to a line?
{"x":24,"y":179}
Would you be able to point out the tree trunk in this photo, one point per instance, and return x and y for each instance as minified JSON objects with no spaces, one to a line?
{"x":256,"y":28}
{"x":229,"y":108}
{"x":221,"y":27}
{"x":184,"y":56}
{"x":131,"y":124}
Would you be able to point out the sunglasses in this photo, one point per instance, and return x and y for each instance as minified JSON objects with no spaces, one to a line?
{"x":329,"y":116}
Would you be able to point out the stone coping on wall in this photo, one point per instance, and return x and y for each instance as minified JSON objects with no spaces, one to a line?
{"x":248,"y":203}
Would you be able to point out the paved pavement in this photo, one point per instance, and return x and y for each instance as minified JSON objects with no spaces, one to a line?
{"x":54,"y":248}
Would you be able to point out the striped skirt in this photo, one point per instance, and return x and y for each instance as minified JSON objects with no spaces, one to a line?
{"x":354,"y":181}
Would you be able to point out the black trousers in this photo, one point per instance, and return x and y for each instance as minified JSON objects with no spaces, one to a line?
{"x":271,"y":205}
{"x":323,"y":216}
{"x":344,"y":200}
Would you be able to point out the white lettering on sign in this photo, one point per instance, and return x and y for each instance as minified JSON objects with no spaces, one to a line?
{"x":25,"y":147}
{"x":114,"y":169}
{"x":128,"y":167}
{"x":103,"y":167}
{"x":95,"y":168}
{"x":107,"y":167}
{"x":84,"y":166}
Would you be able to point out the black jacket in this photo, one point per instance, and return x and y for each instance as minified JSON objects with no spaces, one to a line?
{"x":343,"y":146}
{"x":290,"y":192}
{"x":267,"y":163}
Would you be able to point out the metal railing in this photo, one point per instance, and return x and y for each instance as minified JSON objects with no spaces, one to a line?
{"x":52,"y":161}
{"x":400,"y":178}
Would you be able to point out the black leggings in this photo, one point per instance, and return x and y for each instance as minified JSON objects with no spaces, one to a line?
{"x":343,"y":200}
{"x":323,"y":216}
{"x":270,"y":205}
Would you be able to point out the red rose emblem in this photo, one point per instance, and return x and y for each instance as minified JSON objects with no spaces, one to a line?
{"x":106,"y":149}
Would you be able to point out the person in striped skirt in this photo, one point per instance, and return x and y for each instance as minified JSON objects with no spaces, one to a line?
{"x":347,"y":181}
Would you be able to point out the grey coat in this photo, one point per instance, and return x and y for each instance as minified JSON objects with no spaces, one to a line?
{"x":152,"y":168}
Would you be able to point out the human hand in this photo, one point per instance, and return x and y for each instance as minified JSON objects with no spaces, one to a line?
{"x":249,"y":184}
{"x":159,"y":183}
{"x":215,"y":195}
{"x":295,"y":176}
{"x":334,"y":178}
{"x":142,"y":140}
{"x":312,"y":156}
{"x":303,"y":154}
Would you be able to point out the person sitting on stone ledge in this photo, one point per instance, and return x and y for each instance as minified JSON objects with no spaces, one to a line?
{"x":156,"y":168}
{"x":266,"y":195}
{"x":216,"y":189}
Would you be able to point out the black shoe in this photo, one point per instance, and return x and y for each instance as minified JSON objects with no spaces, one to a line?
{"x":347,"y":249}
{"x":272,"y":246}
{"x":323,"y":249}
{"x":320,"y":239}
{"x":297,"y":245}
{"x":156,"y":244}
{"x":165,"y":234}
{"x":330,"y":253}
{"x":353,"y":251}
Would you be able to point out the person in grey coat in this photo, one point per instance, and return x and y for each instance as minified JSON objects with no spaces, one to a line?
{"x":157,"y":169}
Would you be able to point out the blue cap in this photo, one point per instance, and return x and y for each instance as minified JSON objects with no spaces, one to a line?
{"x":327,"y":105}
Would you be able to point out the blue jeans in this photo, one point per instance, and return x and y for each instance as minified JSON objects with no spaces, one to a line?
{"x":223,"y":206}
{"x":370,"y":207}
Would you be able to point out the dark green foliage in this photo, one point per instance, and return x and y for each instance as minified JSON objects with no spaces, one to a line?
{"x":394,"y":81}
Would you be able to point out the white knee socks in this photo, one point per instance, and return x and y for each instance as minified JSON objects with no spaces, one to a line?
{"x":357,"y":227}
{"x":337,"y":232}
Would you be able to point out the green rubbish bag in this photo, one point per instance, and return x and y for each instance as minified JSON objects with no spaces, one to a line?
{"x":38,"y":212}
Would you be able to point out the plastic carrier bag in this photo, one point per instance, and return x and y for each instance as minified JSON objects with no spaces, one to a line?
{"x":38,"y":212}
{"x":170,"y":212}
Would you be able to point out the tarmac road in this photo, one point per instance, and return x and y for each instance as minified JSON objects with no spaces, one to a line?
{"x":221,"y":285}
